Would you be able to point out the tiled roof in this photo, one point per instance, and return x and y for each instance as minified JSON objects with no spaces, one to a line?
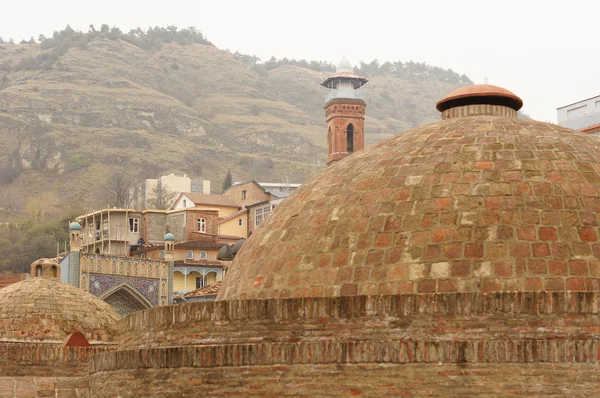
{"x":210,"y":290}
{"x":211,"y":199}
{"x":590,"y":129}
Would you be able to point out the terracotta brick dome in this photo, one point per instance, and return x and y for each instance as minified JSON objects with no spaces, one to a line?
{"x":45,"y":309}
{"x":469,"y":204}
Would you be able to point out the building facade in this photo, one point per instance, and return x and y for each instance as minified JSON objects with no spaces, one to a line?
{"x":581,"y":115}
{"x":127,"y":283}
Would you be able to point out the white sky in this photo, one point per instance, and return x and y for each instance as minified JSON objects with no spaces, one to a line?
{"x":545,"y":51}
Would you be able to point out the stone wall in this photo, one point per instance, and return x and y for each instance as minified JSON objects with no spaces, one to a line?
{"x":455,"y":316}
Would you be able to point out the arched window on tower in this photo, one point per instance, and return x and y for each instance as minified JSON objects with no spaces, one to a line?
{"x":350,"y":138}
{"x":329,"y":141}
{"x":38,"y":270}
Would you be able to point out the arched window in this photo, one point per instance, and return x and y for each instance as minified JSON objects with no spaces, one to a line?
{"x":38,"y":270}
{"x":350,"y":138}
{"x":329,"y":141}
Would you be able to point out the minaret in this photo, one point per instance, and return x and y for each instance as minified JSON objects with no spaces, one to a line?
{"x":345,"y":112}
{"x":74,"y":253}
{"x":170,"y":259}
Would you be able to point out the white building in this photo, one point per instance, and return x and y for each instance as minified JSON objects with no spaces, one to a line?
{"x":144,"y":194}
{"x":580,"y":115}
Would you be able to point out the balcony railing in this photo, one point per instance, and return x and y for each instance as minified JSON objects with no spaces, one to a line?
{"x":345,"y":93}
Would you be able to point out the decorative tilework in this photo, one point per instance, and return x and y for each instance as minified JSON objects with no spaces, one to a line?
{"x":148,"y":288}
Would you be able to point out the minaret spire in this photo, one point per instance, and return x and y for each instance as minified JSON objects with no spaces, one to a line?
{"x":345,"y":112}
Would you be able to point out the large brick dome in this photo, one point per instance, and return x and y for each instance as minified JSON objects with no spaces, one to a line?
{"x":45,"y":309}
{"x":477,"y":203}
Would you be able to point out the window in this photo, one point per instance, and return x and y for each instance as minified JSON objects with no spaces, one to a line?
{"x":260,"y":214}
{"x":143,"y":255}
{"x":105,"y":225}
{"x":243,"y":194}
{"x":185,"y":203}
{"x":202,"y":225}
{"x":203,"y":254}
{"x":350,"y":138}
{"x":134,"y":224}
{"x":240,"y":222}
{"x":189,"y":255}
{"x":199,"y":283}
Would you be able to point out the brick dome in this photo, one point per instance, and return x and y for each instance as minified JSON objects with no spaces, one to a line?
{"x":468,"y":204}
{"x":45,"y":309}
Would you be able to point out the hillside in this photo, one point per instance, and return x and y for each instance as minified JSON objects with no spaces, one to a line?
{"x":111,"y":105}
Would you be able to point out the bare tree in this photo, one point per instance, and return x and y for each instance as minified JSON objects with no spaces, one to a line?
{"x":163,"y":198}
{"x":118,"y":188}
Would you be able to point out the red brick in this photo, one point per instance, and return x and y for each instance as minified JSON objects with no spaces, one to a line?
{"x":441,"y":234}
{"x":383,"y":239}
{"x":474,"y":250}
{"x":502,"y":268}
{"x":460,"y":269}
{"x":491,"y":285}
{"x":533,"y":284}
{"x":443,"y":204}
{"x":484,"y":165}
{"x":557,"y":267}
{"x":526,"y":233}
{"x":426,"y":286}
{"x":575,"y":284}
{"x":578,"y":267}
{"x":494,"y":202}
{"x":520,"y":249}
{"x":504,"y":232}
{"x":587,"y":234}
{"x":452,"y":250}
{"x":446,"y":285}
{"x":541,"y":250}
{"x":537,"y":267}
{"x":554,"y":284}
{"x":406,"y":287}
{"x":548,"y":233}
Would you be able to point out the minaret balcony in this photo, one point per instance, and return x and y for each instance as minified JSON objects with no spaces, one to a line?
{"x":349,"y":93}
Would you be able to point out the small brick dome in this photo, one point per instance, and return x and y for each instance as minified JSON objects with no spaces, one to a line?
{"x":480,"y":94}
{"x":468,"y":204}
{"x":45,"y":309}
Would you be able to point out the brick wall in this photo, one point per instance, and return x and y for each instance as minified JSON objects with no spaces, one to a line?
{"x":254,"y":193}
{"x":212,"y":224}
{"x":343,"y":380}
{"x":46,"y":360}
{"x":457,"y":316}
{"x":34,"y":386}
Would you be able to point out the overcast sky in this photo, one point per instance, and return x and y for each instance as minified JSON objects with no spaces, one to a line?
{"x":545,"y":51}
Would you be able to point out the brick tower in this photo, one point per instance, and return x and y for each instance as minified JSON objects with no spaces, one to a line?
{"x":345,"y":112}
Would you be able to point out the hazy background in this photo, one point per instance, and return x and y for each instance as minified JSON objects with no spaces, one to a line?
{"x":544,"y":51}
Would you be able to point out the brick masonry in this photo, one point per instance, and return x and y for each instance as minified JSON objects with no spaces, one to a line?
{"x":344,"y":380}
{"x":428,"y":317}
{"x":339,"y":114}
{"x":470,"y":204}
